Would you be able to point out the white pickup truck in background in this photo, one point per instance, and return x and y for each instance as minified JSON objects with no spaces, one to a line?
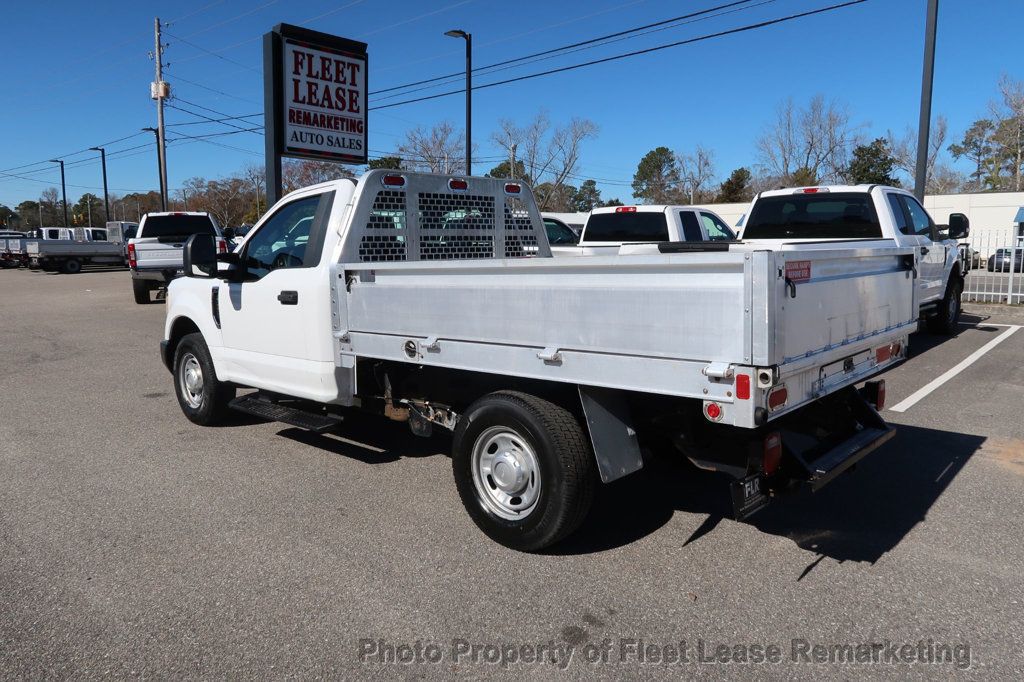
{"x":429,"y":299}
{"x":869,"y":214}
{"x":610,"y":228}
{"x":74,"y":248}
{"x":154,"y":253}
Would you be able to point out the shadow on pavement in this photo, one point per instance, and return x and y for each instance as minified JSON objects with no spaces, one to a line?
{"x":858,"y":517}
{"x":372,"y":440}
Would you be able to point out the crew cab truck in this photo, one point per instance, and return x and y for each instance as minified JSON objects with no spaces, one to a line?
{"x":85,"y":246}
{"x":434,"y":300}
{"x":154,"y":253}
{"x":869,"y":215}
{"x":610,"y":228}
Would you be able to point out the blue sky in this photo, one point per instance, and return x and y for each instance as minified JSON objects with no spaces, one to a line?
{"x":77,"y":75}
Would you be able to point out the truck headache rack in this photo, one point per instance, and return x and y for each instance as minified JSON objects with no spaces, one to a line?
{"x":421,"y":217}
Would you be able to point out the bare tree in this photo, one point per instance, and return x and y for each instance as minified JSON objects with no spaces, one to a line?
{"x":904,"y":149}
{"x":438,"y":150}
{"x":697,"y":171}
{"x":1009,"y":134}
{"x":296,"y":174}
{"x":549,"y":155}
{"x":256,"y":175}
{"x":812,"y":142}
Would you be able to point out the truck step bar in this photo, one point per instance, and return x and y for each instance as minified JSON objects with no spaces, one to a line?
{"x":261,"y":406}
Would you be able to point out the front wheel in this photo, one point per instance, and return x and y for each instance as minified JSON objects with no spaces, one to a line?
{"x":202,"y":397}
{"x":524,"y":469}
{"x":947,"y":317}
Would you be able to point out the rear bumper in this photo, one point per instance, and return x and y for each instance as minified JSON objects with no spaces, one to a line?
{"x":164,"y":275}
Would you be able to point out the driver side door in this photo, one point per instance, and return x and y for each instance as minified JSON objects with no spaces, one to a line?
{"x":269,"y":320}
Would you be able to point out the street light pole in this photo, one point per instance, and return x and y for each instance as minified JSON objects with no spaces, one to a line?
{"x":924,"y":124}
{"x":63,"y":189}
{"x":103,"y":161}
{"x":457,"y":33}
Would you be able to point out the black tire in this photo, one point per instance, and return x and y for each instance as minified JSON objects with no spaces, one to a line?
{"x":72,"y":266}
{"x":209,"y":404}
{"x":565,"y":476}
{"x":140,"y":289}
{"x":947,"y":316}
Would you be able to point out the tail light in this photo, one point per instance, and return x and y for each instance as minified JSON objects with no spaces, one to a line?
{"x":132,"y":262}
{"x":222,"y":246}
{"x":812,"y":190}
{"x":458,"y":185}
{"x":625,"y":209}
{"x":393,"y":180}
{"x":777,"y":397}
{"x":772,"y":453}
{"x":713,"y":411}
{"x":513,"y":188}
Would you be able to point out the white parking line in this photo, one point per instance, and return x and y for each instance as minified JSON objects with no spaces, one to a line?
{"x":918,"y":395}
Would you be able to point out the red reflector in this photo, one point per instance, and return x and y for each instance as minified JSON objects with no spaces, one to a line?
{"x":777,"y":398}
{"x":883,"y":354}
{"x":625,"y":209}
{"x":713,"y":411}
{"x":874,"y":393}
{"x":393,"y":180}
{"x":743,"y":387}
{"x":457,"y":184}
{"x":513,"y":188}
{"x":772,"y":452}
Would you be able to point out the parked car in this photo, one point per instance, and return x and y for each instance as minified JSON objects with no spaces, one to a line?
{"x":334,"y":302}
{"x":559,"y":233}
{"x":609,"y":229}
{"x":1000,"y":261}
{"x":154,"y":254}
{"x":969,"y":257}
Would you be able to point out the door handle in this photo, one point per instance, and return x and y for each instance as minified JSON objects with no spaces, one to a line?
{"x":288,"y":297}
{"x":924,"y":250}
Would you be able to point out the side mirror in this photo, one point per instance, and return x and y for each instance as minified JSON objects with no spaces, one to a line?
{"x":959,"y":226}
{"x":229,"y":233}
{"x":200,"y":256}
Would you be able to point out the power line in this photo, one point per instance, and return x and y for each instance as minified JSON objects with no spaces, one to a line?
{"x":203,"y":116}
{"x":213,"y":54}
{"x":635,"y":53}
{"x":566,"y":47}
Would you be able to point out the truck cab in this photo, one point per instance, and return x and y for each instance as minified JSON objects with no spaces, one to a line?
{"x":610,"y":228}
{"x":825,"y":215}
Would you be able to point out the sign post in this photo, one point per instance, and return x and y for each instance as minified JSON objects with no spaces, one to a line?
{"x":314,"y":99}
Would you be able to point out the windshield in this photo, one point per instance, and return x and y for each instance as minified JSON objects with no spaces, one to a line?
{"x":628,"y":226}
{"x":176,"y":225}
{"x":814,"y":216}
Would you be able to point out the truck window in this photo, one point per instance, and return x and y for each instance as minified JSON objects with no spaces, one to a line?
{"x":922,"y":223}
{"x":634,"y":226}
{"x":558,"y":233}
{"x":99,"y":235}
{"x":281,"y":241}
{"x":716,"y":229}
{"x":176,"y":226}
{"x":840,"y":215}
{"x":53,"y":234}
{"x":691,"y":228}
{"x":899,"y":214}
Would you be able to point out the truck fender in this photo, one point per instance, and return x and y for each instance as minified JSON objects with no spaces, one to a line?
{"x":611,"y":431}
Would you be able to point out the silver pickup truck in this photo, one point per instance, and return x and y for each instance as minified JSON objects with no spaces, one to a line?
{"x":74,"y":248}
{"x":434,"y":301}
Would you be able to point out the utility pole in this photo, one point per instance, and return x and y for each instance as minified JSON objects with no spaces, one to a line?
{"x":924,"y":124}
{"x":468,"y":37}
{"x":88,"y":205}
{"x":106,"y":196}
{"x":159,"y":91}
{"x":512,"y":161}
{"x":63,"y":189}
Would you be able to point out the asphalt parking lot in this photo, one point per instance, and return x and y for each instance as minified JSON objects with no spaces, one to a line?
{"x":133,"y":542}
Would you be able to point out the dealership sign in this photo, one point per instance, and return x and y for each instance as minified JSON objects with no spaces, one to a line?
{"x":315,"y":95}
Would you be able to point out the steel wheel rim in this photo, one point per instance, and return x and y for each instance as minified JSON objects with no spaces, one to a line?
{"x":506,"y":473}
{"x":954,"y":306}
{"x":190,"y":378}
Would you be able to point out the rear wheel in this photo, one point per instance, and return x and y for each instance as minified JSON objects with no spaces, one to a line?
{"x":948,"y":315}
{"x":140,"y":289}
{"x":524,"y":469}
{"x":202,"y":397}
{"x":72,"y":266}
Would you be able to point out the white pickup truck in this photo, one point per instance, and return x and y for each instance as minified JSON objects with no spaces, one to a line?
{"x":74,"y":248}
{"x":611,"y":228}
{"x":869,"y":215}
{"x":435,"y":301}
{"x":154,"y":253}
